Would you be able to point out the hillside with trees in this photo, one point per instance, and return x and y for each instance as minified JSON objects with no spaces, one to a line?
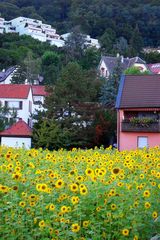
{"x":113,"y":21}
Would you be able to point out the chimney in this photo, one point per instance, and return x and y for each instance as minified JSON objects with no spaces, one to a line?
{"x":122,"y":59}
{"x":117,"y":55}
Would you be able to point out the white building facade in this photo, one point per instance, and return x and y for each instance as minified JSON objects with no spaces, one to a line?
{"x":2,"y":25}
{"x":34,"y":28}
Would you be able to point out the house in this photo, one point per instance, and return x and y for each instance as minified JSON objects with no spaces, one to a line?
{"x":138,"y":112}
{"x":18,"y":135}
{"x":25,"y":99}
{"x":34,"y":28}
{"x":151,"y":50}
{"x":6,"y":75}
{"x":107,"y":64}
{"x":2,"y":25}
{"x":154,"y":68}
{"x":39,"y":93}
{"x":18,"y":97}
{"x":88,"y":41}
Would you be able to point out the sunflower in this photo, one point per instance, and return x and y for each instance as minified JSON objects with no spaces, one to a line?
{"x":113,"y":206}
{"x":63,"y":209}
{"x":85,"y":224}
{"x":51,"y":207}
{"x":42,"y":224}
{"x":147,"y":205}
{"x":74,"y":200}
{"x":154,"y":214}
{"x":74,"y":187}
{"x":59,"y":183}
{"x":146,"y":193}
{"x":125,"y":232}
{"x":75,"y":227}
{"x":83,"y":191}
{"x":115,"y":170}
{"x":22,"y":204}
{"x":89,"y":172}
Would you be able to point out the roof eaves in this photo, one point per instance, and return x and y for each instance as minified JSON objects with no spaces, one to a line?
{"x":120,"y":90}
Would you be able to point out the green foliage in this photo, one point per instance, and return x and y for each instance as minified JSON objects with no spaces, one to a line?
{"x":72,"y":102}
{"x":93,"y":17}
{"x":152,"y":57}
{"x":7,"y":117}
{"x":136,"y":71}
{"x":143,"y":122}
{"x":136,"y":42}
{"x":50,"y":57}
{"x":49,"y":134}
{"x":105,"y":127}
{"x":109,"y":89}
{"x":90,"y":58}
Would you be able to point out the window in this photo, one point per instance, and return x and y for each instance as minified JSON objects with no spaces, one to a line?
{"x":14,"y":104}
{"x":142,"y":142}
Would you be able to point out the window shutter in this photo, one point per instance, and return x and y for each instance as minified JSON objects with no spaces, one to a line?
{"x":20,"y":105}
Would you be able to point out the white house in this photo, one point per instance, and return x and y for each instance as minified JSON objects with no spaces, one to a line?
{"x":1,"y":25}
{"x":6,"y":75}
{"x":107,"y":64}
{"x":8,"y":27}
{"x":39,"y":93}
{"x":18,"y":97}
{"x":25,"y":99}
{"x":34,"y":28}
{"x":18,"y":135}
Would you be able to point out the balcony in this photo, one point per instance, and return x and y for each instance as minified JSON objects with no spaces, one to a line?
{"x":153,"y":126}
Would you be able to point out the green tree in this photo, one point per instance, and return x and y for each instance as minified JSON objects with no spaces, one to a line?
{"x":152,"y":57}
{"x":7,"y":117}
{"x":110,"y":88}
{"x":51,"y":66}
{"x":74,"y":45}
{"x":136,"y":42}
{"x":107,"y":41}
{"x":32,"y":67}
{"x":136,"y":71}
{"x":90,"y":58}
{"x":72,"y":102}
{"x":49,"y":134}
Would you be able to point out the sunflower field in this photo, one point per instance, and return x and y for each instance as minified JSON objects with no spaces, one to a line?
{"x":95,"y":194}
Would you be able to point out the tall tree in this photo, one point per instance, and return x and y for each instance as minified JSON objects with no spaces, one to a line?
{"x":72,"y":102}
{"x":110,"y":88}
{"x":136,"y":42}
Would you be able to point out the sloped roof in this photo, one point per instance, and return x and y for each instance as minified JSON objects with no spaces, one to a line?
{"x":38,"y":90}
{"x":19,"y":129}
{"x":111,"y":62}
{"x":19,"y":91}
{"x":154,"y":68}
{"x":139,"y":91}
{"x":5,"y":74}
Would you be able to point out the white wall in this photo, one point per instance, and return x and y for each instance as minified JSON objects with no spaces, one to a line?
{"x":17,"y":142}
{"x":23,"y":113}
{"x":105,"y":73}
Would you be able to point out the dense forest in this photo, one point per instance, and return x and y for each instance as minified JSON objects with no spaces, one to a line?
{"x":109,"y":19}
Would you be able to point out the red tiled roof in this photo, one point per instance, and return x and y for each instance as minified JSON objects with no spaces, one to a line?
{"x":38,"y":90}
{"x":154,"y":68}
{"x":20,"y":129}
{"x":14,"y":91}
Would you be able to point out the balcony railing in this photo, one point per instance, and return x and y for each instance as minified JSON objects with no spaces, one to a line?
{"x":127,"y":126}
